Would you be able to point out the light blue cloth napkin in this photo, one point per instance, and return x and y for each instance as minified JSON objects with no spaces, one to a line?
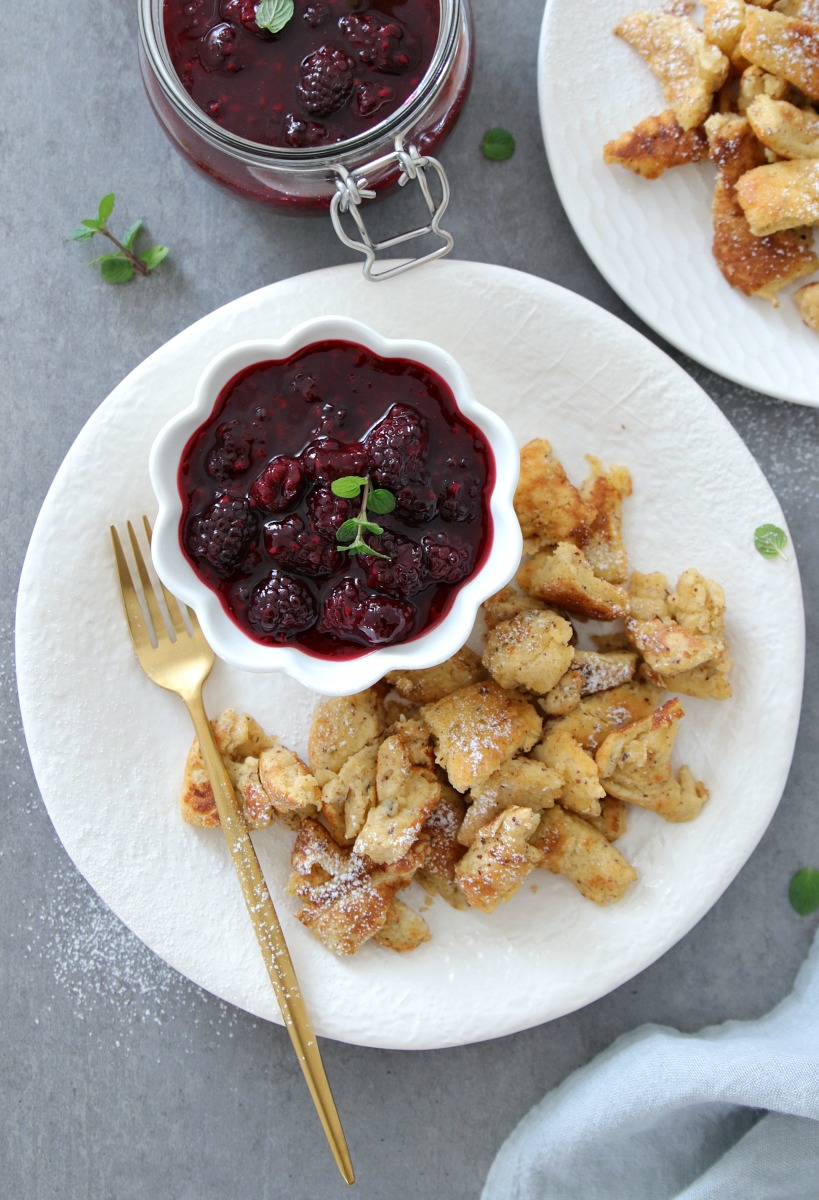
{"x":731,"y":1113}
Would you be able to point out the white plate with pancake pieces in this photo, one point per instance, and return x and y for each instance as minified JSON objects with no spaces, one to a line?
{"x":556,"y":367}
{"x":651,"y":239}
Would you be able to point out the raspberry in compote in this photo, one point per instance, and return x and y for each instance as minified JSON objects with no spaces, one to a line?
{"x":243,"y":12}
{"x":327,"y":459}
{"x":261,"y":521}
{"x":382,"y":45}
{"x":279,"y":484}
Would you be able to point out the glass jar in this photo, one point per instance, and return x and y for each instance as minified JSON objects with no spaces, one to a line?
{"x":341,"y":176}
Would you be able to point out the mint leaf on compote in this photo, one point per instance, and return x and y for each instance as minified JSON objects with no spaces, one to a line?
{"x":381,"y":501}
{"x":273,"y":15}
{"x":350,"y":534}
{"x":347,"y":531}
{"x":348,"y":486}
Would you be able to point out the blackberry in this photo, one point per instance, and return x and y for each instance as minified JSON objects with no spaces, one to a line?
{"x":460,"y":501}
{"x":281,"y":606}
{"x":381,"y":620}
{"x":371,"y":96}
{"x":199,"y":15}
{"x":403,"y":572}
{"x":231,"y":455}
{"x":340,"y":608}
{"x":379,"y":44}
{"x":279,"y":484}
{"x":449,"y":559}
{"x":223,"y":535}
{"x":314,"y":13}
{"x":326,"y":459}
{"x":397,"y":446}
{"x":331,"y":420}
{"x":328,"y":511}
{"x":302,"y":385}
{"x":298,"y":132}
{"x":218,"y":45}
{"x":300,"y":547}
{"x":326,"y":81}
{"x":243,"y":12}
{"x":372,"y":619}
{"x":416,"y":504}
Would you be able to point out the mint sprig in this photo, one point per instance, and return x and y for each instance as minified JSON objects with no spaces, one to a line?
{"x":770,"y":541}
{"x":119,"y":265}
{"x":273,"y":15}
{"x":350,"y":534}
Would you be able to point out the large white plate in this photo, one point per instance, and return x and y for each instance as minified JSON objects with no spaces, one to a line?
{"x":108,"y":747}
{"x":651,"y":240}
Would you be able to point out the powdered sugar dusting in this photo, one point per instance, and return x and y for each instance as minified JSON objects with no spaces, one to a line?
{"x":97,"y":960}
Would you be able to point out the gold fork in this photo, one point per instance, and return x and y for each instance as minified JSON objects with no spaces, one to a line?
{"x":181,"y":661}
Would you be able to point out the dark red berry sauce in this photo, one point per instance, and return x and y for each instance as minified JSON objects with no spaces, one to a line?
{"x":260,"y":518}
{"x":336,"y":69}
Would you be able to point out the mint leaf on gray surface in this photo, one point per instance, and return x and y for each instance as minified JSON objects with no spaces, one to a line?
{"x":106,"y":208}
{"x":497,"y":144}
{"x":804,"y":891}
{"x":129,"y":237}
{"x":117,"y":270}
{"x":81,"y":234}
{"x":153,"y":257}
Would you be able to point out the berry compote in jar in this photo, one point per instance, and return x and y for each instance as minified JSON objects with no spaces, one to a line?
{"x":293,"y":118}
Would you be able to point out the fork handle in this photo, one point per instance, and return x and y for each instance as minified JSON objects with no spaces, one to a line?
{"x":270,"y":937}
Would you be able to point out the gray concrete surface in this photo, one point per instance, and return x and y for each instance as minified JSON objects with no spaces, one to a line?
{"x":120,"y":1080}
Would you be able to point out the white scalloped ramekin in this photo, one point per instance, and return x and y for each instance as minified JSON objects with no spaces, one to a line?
{"x":331,"y":676}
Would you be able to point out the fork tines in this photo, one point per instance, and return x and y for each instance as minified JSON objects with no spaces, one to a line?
{"x":159,"y":624}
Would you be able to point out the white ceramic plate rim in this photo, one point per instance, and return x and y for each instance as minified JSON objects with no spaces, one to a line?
{"x":327,"y":676}
{"x":574,"y":150}
{"x":107,"y":746}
